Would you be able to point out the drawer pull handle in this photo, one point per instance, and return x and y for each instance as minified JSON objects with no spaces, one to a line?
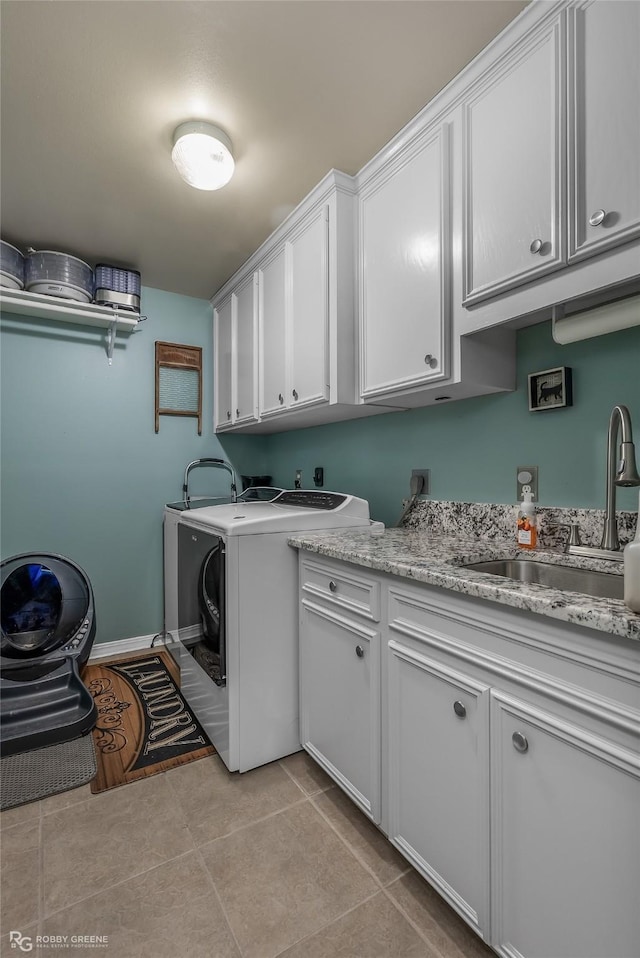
{"x":332,"y":586}
{"x":359,"y":651}
{"x":519,"y":742}
{"x":459,"y":709}
{"x":597,"y":218}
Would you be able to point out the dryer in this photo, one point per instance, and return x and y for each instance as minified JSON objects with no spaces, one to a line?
{"x":236,"y":622}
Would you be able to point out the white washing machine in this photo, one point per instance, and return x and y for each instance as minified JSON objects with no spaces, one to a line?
{"x":172,"y":513}
{"x":235,"y":619}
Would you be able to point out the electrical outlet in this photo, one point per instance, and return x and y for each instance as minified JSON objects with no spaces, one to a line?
{"x":526,"y":476}
{"x":297,"y":484}
{"x":425,"y":473}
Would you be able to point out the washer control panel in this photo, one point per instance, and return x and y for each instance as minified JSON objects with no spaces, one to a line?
{"x":310,"y":499}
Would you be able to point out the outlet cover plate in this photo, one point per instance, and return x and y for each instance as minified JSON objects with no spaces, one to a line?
{"x":526,"y":476}
{"x":425,"y":473}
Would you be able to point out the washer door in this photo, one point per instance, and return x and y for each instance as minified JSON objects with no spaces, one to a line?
{"x":201,"y":599}
{"x":42,"y":605}
{"x":211,"y":600}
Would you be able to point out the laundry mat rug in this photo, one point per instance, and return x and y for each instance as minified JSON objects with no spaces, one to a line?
{"x":144,"y":724}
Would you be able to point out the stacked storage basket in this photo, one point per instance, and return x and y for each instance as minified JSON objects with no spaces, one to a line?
{"x":117,"y":287}
{"x":58,"y":274}
{"x":11,"y":266}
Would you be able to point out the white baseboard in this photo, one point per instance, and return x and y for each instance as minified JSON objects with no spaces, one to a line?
{"x":102,"y":650}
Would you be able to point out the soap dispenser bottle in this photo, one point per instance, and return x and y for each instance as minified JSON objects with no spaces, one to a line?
{"x":527,"y":534}
{"x":632,"y":570}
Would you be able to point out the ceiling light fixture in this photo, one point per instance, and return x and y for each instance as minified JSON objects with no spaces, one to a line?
{"x":202,"y":155}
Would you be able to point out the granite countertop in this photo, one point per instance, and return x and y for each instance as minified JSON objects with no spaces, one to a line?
{"x":436,"y":559}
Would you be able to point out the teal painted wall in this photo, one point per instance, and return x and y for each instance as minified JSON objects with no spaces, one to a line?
{"x":474,"y":446}
{"x":83,"y":472}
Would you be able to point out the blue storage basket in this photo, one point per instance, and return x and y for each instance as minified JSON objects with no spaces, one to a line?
{"x":11,"y":266}
{"x":116,"y":279}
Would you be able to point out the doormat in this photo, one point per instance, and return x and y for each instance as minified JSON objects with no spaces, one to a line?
{"x":144,"y":724}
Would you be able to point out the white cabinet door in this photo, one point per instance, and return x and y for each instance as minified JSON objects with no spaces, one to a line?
{"x":604,"y":161}
{"x":272,"y":324}
{"x":566,"y":838}
{"x":304,"y":354}
{"x":223,"y":359}
{"x":405,"y":266}
{"x":235,"y":357}
{"x":308,"y":261}
{"x":438,"y":778}
{"x":513,"y":160}
{"x":245,"y":305}
{"x":340,"y":701}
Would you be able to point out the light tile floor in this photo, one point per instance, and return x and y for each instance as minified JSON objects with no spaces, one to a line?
{"x":201,"y":863}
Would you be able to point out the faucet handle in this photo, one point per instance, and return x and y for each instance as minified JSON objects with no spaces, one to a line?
{"x":573,"y":538}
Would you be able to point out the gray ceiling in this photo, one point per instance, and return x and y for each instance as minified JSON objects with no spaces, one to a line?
{"x":93,"y":89}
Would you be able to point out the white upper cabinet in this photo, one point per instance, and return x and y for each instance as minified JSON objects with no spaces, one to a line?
{"x":399,"y":287}
{"x":405,"y":262}
{"x":294,"y":317}
{"x":273,"y":333}
{"x":245,"y":301}
{"x":235,"y":356}
{"x":305,"y":357}
{"x":604,"y":132}
{"x":513,"y":161}
{"x":309,"y":312}
{"x":222,"y":353}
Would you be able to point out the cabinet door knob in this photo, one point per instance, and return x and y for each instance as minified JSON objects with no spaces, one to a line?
{"x":237,"y":412}
{"x":597,"y":218}
{"x":332,"y":586}
{"x":536,"y":246}
{"x":519,"y":742}
{"x":359,"y":651}
{"x":280,"y":398}
{"x":430,"y":360}
{"x":459,"y":709}
{"x":228,"y":414}
{"x":294,"y":393}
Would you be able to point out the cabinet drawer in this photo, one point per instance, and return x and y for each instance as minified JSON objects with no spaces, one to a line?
{"x":342,"y":588}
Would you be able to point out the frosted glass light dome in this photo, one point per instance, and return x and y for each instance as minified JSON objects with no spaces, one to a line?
{"x":202,"y":155}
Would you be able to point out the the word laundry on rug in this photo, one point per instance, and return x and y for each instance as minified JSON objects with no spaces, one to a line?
{"x":144,"y":724}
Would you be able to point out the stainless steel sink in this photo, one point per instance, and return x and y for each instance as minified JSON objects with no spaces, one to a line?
{"x":605,"y":585}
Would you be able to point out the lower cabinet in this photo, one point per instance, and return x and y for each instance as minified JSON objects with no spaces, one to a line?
{"x":499,"y":751}
{"x":340,"y":701}
{"x":438,"y":778}
{"x":565,"y":832}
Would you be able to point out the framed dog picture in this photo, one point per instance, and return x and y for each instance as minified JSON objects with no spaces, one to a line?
{"x":550,"y":389}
